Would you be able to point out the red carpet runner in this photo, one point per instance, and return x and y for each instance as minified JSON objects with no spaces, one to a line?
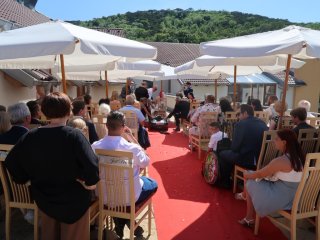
{"x":186,"y":208}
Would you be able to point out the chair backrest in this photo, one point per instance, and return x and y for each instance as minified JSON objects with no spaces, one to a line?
{"x":286,"y":123}
{"x":131,"y":121}
{"x":115,"y":105}
{"x":268,"y":149}
{"x":262,"y":115}
{"x":309,"y":140}
{"x":116,"y":186}
{"x":16,"y":194}
{"x":205,"y":118}
{"x":99,"y":122}
{"x":306,"y":201}
{"x":194,"y":105}
{"x":32,"y":126}
{"x":231,"y":119}
{"x":314,"y":121}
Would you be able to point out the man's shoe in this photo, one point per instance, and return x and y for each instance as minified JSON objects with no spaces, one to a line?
{"x":177,"y":129}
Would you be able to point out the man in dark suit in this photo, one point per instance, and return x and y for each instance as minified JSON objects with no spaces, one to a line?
{"x":79,"y":110}
{"x":246,"y":144}
{"x":299,"y":117}
{"x":180,"y":111}
{"x":20,"y":118}
{"x":142,"y":91}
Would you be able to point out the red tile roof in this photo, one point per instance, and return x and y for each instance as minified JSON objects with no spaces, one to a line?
{"x":175,"y":54}
{"x":17,"y":13}
{"x":114,"y":31}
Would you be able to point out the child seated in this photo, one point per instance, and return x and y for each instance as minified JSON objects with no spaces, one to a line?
{"x":216,"y":136}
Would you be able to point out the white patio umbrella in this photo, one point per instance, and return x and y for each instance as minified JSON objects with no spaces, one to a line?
{"x":226,"y":66}
{"x":293,"y":40}
{"x":32,"y":47}
{"x":121,"y":70}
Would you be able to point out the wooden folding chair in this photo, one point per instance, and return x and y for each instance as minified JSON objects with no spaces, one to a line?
{"x":202,"y":139}
{"x":314,"y":121}
{"x":115,"y":105}
{"x":32,"y":126}
{"x":262,"y":115}
{"x":309,"y":139}
{"x":286,"y":123}
{"x":131,"y":121}
{"x":116,"y":172}
{"x":306,"y":201}
{"x":16,"y":195}
{"x":99,"y":122}
{"x":267,"y":153}
{"x":231,"y":119}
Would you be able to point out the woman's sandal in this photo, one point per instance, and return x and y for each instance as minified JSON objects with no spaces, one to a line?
{"x":246,"y":222}
{"x":239,"y":196}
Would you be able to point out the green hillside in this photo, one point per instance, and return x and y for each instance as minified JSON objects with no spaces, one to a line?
{"x":188,"y":26}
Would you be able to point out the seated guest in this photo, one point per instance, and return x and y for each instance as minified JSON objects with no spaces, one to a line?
{"x":79,"y":110}
{"x":246,"y":144}
{"x":180,"y":111}
{"x":275,"y":120}
{"x":307,"y":105}
{"x":130,"y":101}
{"x":104,"y":100}
{"x":144,"y":187}
{"x":5,"y":124}
{"x":209,"y":106}
{"x":80,"y":124}
{"x":62,"y":168}
{"x":265,"y":196}
{"x":20,"y":119}
{"x":104,"y":109}
{"x":299,"y":116}
{"x":225,"y":105}
{"x":216,"y":135}
{"x":270,"y":110}
{"x":3,"y":108}
{"x":90,"y":108}
{"x":34,"y":109}
{"x":256,"y":104}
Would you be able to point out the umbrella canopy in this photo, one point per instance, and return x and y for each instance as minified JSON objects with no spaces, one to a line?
{"x":223,"y":66}
{"x":54,"y":38}
{"x":294,"y":40}
{"x":121,"y":70}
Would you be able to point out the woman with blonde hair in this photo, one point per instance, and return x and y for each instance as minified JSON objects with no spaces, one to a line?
{"x":278,"y":108}
{"x":80,"y":124}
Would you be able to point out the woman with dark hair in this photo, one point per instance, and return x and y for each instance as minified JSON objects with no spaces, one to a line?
{"x":225,"y":105}
{"x":62,"y":168}
{"x":256,"y":104}
{"x":273,"y":187}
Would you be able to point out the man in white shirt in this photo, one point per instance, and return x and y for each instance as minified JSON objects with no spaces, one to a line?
{"x":152,"y":90}
{"x":144,"y":187}
{"x":217,"y":135}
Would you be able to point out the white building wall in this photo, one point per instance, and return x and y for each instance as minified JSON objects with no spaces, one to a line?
{"x":11,"y":92}
{"x":289,"y":96}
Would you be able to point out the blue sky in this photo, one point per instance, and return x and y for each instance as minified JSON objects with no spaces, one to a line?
{"x":294,"y":10}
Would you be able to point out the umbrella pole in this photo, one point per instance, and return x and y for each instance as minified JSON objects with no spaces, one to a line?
{"x":215,"y":88}
{"x":285,"y":87}
{"x":161,"y":86}
{"x":107,"y":83}
{"x":234,"y":86}
{"x":63,"y":74}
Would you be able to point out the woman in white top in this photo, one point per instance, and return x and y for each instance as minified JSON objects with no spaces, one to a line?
{"x":283,"y":173}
